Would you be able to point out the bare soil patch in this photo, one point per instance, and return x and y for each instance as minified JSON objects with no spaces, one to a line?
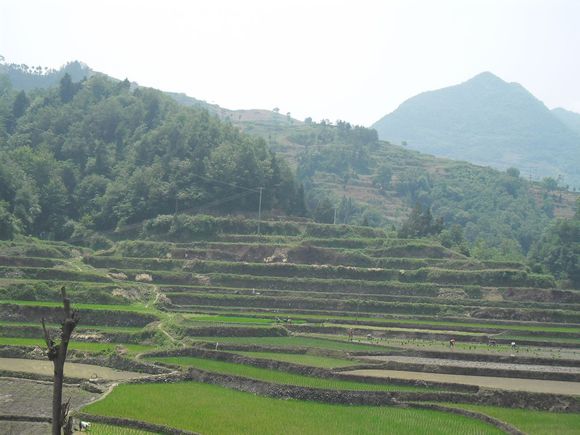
{"x":23,"y":427}
{"x":25,"y":397}
{"x":511,"y":384}
{"x":474,"y":364}
{"x":73,"y":370}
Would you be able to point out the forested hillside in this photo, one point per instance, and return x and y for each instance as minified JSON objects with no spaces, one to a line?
{"x":24,"y":77}
{"x":98,"y":154}
{"x":104,"y":153}
{"x":558,"y":251}
{"x":488,"y":121}
{"x":499,"y":213}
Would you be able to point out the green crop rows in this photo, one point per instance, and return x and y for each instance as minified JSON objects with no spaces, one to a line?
{"x":211,"y":409}
{"x":281,"y":377}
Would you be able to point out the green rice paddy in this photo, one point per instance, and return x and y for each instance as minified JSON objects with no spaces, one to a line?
{"x":303,"y":359}
{"x":293,"y":341}
{"x":531,"y":422}
{"x":212,"y":409}
{"x":280,"y":377}
{"x":75,"y":345}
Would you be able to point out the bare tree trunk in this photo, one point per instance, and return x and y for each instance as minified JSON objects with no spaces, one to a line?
{"x":57,"y":354}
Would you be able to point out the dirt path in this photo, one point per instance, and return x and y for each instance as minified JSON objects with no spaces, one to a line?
{"x":167,"y":334}
{"x":472,"y":364}
{"x":513,"y":384}
{"x":73,"y":370}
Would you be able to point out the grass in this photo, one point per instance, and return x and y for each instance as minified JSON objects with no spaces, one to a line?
{"x":531,"y":422}
{"x":304,"y":359}
{"x":386,"y":319}
{"x":294,"y":341}
{"x":106,"y":429}
{"x":394,"y":329}
{"x":279,"y":377}
{"x":76,"y":345}
{"x":79,"y":327}
{"x":553,"y":340}
{"x":212,"y":409}
{"x":139,"y":308}
{"x":228,"y":319}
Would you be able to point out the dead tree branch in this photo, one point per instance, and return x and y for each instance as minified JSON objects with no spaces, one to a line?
{"x":56,"y":353}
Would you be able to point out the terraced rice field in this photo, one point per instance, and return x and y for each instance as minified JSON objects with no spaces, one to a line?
{"x":279,"y":377}
{"x":74,"y":370}
{"x":304,"y":359}
{"x":294,"y":341}
{"x":531,"y":422}
{"x":475,"y":364}
{"x":309,"y":294}
{"x":82,"y":346}
{"x":210,"y":409}
{"x":511,"y":384}
{"x":105,"y":429}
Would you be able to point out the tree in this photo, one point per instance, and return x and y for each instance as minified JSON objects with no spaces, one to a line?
{"x":382,"y":177}
{"x":421,"y":223}
{"x":513,"y":172}
{"x":21,"y":102}
{"x":453,"y":238}
{"x":67,"y":88}
{"x":550,"y":184}
{"x":57,"y":354}
{"x":8,"y":223}
{"x":324,"y":212}
{"x":558,"y":251}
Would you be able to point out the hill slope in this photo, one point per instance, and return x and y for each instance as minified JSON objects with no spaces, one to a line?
{"x":375,"y":182}
{"x":571,"y":119}
{"x":103,"y":153}
{"x":487,"y":121}
{"x":107,"y":136}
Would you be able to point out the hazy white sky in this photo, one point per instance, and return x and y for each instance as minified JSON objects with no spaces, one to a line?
{"x":351,"y":60}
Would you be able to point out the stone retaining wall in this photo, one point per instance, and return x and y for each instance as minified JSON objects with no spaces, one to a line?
{"x":506,"y":399}
{"x":35,"y":313}
{"x":473,"y":371}
{"x":132,"y":424}
{"x":304,"y":370}
{"x":480,"y":357}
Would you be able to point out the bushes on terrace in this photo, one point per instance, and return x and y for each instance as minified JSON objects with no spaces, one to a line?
{"x":184,"y":227}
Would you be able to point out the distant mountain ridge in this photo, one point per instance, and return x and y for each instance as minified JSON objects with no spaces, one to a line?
{"x":488,"y":121}
{"x":25,"y":78}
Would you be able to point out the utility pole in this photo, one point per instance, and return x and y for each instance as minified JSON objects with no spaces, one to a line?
{"x":334,"y":220}
{"x":260,"y":210}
